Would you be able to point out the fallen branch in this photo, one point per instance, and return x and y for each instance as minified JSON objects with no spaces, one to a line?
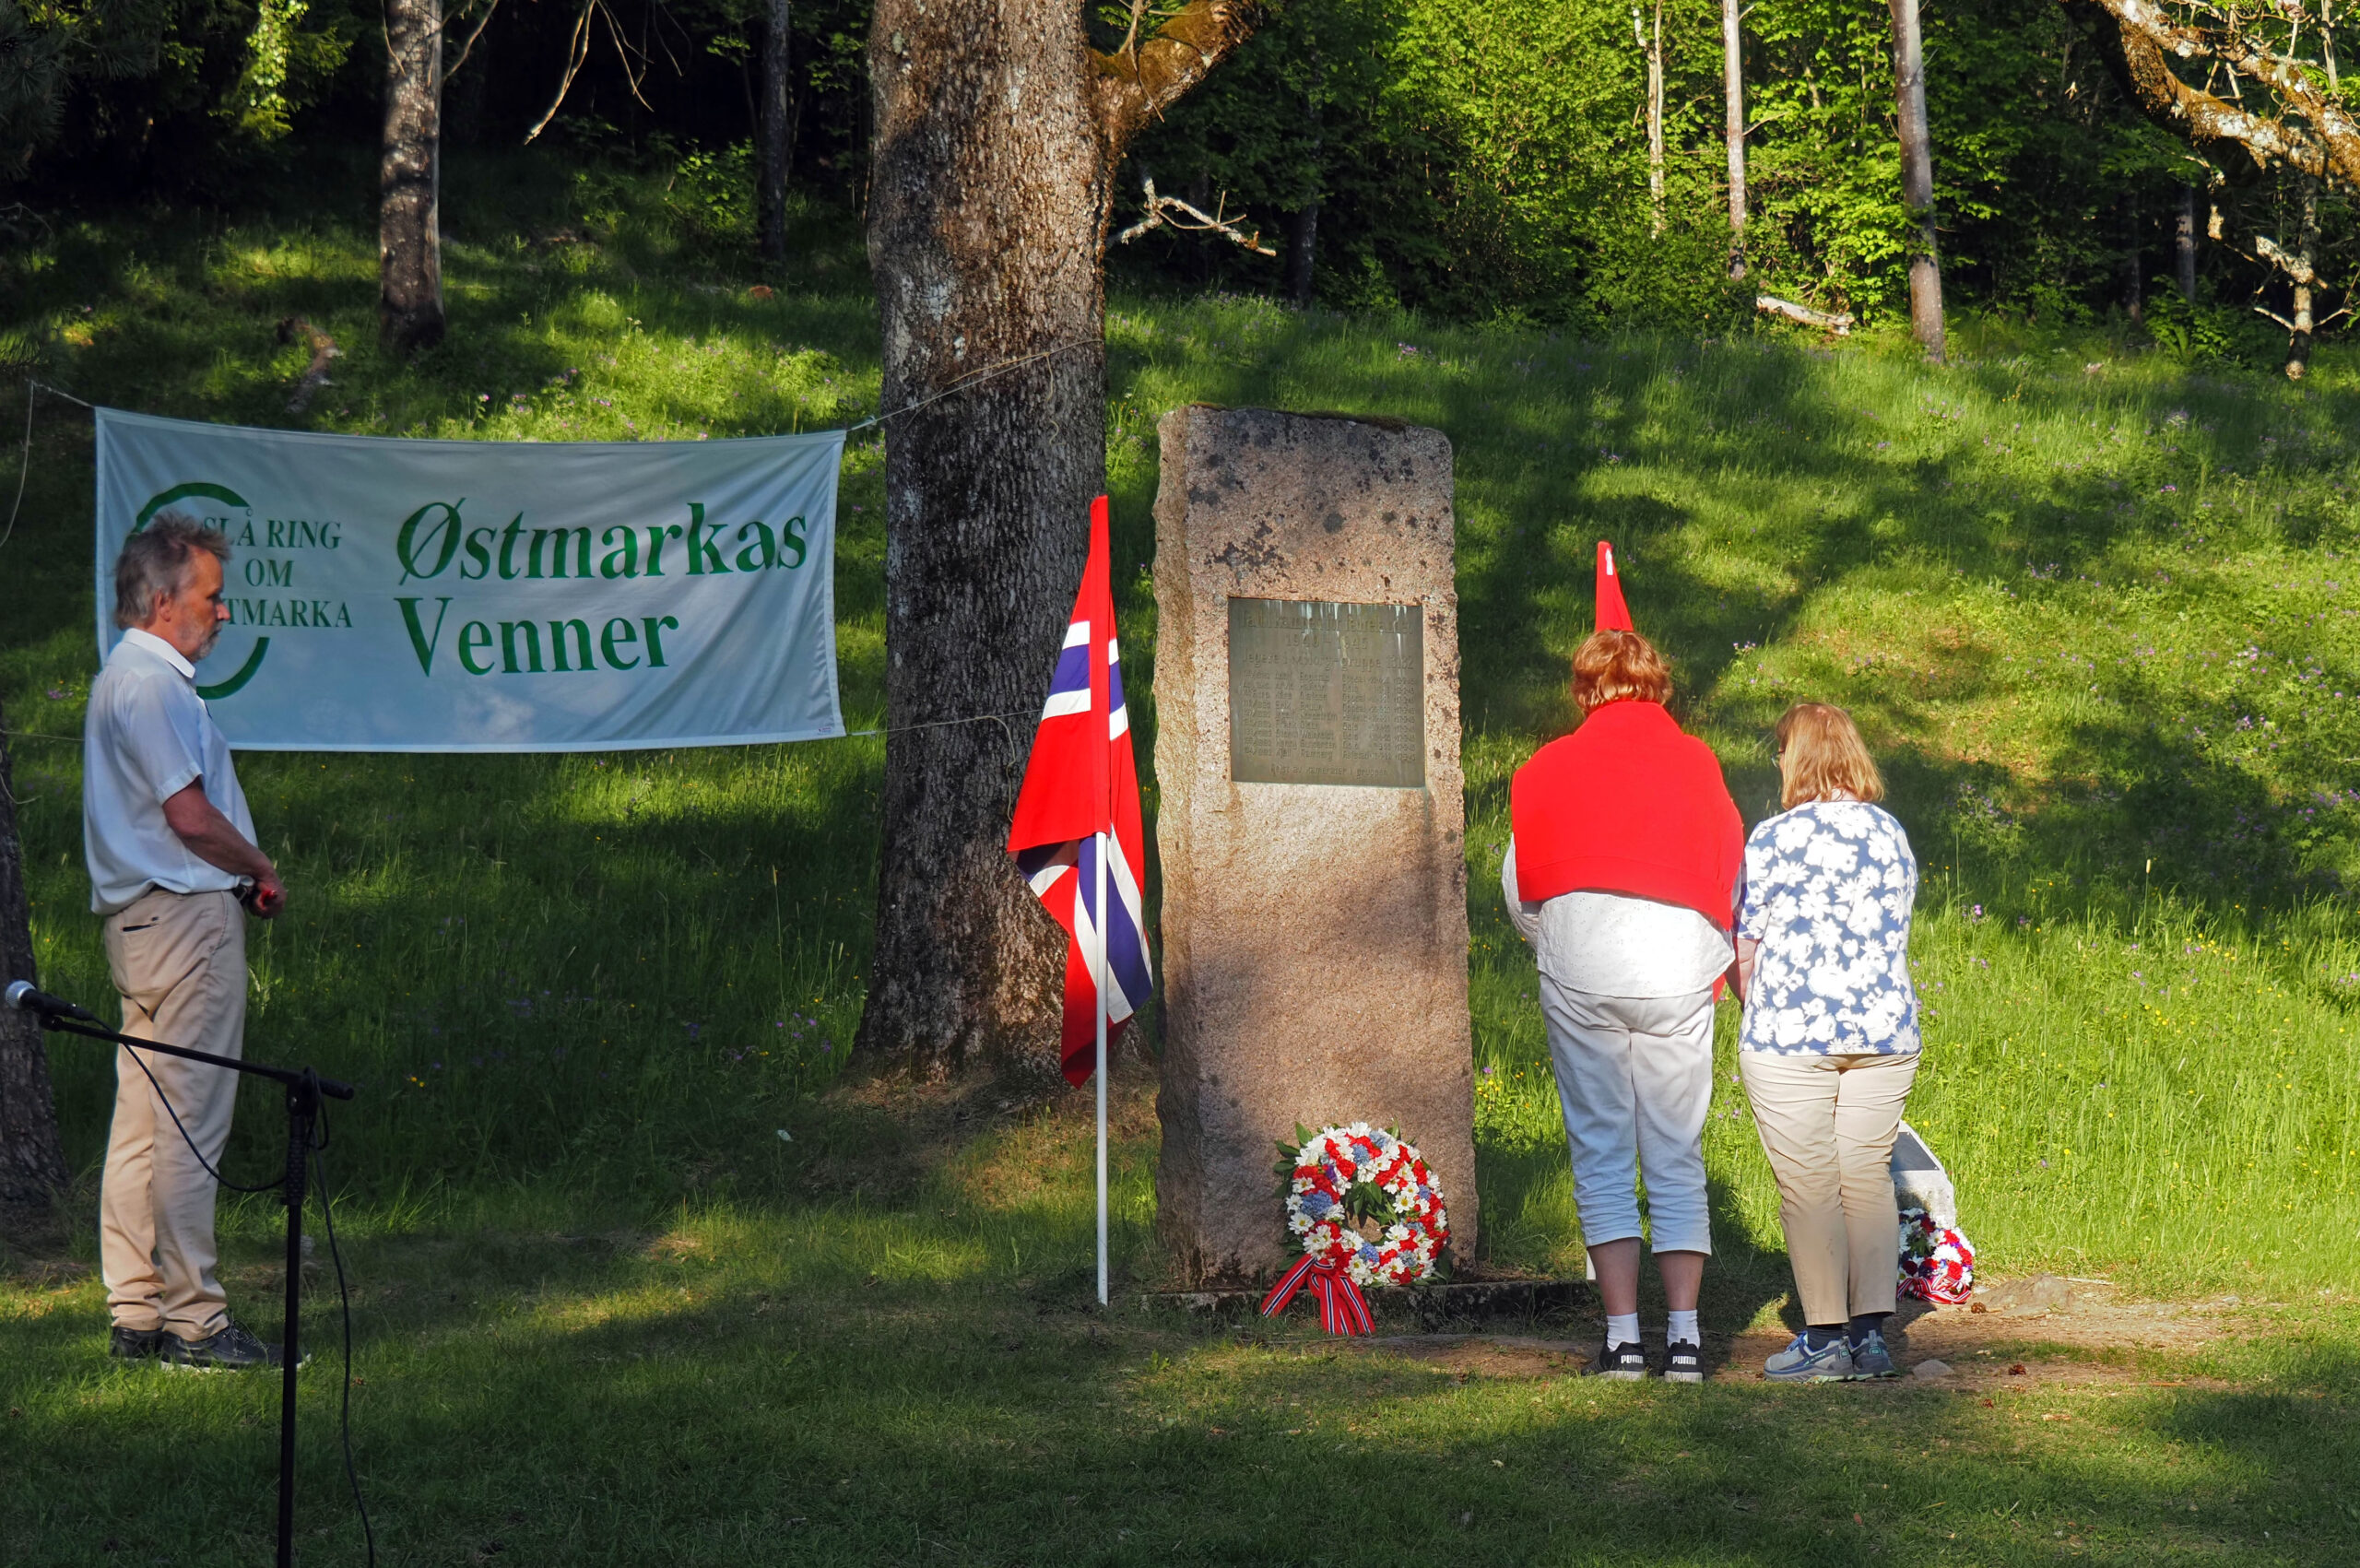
{"x":316,"y":375}
{"x":1840,"y":324}
{"x":1170,"y":211}
{"x":577,"y":51}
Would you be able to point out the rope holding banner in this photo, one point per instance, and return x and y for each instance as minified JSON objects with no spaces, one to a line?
{"x":32,"y":386}
{"x":975,"y":380}
{"x":24,"y":468}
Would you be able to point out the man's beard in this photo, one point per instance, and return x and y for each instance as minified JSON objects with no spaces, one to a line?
{"x":212,"y":635}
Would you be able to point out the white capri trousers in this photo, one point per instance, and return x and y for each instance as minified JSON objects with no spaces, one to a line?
{"x":1635,"y":1077}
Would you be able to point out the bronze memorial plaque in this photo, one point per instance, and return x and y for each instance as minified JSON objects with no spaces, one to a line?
{"x":1327,"y":693}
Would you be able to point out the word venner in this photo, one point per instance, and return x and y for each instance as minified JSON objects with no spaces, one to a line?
{"x":520,"y":643}
{"x":434,"y":536}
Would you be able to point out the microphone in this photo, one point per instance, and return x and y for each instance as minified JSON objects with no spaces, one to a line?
{"x":21,"y":995}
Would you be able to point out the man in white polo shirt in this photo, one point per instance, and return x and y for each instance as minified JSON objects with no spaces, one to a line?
{"x":172,"y":856}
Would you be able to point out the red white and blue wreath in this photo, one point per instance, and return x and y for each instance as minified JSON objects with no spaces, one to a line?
{"x":1366,"y":1211}
{"x":1937,"y":1262}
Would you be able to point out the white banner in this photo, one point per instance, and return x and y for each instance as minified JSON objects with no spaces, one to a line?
{"x":461,"y":595}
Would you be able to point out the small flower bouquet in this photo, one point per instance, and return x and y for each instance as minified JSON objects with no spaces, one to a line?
{"x":1937,"y":1261}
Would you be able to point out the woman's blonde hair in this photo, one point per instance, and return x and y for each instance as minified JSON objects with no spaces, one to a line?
{"x":1820,"y":756}
{"x":1618,"y":666}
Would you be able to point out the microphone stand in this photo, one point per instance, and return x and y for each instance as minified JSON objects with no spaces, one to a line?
{"x":304,"y":1088}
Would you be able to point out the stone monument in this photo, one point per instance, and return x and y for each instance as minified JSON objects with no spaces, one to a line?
{"x":1311,"y":819}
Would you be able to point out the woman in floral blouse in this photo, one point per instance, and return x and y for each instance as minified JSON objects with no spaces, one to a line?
{"x":1830,"y":1041}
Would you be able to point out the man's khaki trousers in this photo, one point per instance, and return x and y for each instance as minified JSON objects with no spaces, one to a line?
{"x":1828,"y":1123}
{"x":179,"y":962}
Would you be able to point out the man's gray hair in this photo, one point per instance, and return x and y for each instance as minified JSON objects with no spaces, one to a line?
{"x":156,"y":560}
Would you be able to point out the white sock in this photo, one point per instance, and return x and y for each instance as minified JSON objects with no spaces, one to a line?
{"x":1681,"y":1328}
{"x":1622,"y":1328}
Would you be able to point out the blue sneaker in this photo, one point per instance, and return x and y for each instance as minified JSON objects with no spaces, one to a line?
{"x":1799,"y":1364}
{"x":1870,"y":1358}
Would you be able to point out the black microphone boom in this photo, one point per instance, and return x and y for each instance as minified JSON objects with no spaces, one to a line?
{"x":21,"y":995}
{"x":304,"y":1088}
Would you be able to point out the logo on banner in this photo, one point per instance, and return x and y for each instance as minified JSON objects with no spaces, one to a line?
{"x":268,"y":571}
{"x":218,"y":496}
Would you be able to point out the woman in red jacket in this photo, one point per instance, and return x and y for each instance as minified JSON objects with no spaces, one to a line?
{"x":1621,"y":874}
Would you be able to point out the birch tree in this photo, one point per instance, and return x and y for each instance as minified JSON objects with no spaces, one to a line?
{"x":1733,"y":127}
{"x":1917,"y":178}
{"x":409,"y":179}
{"x":2253,"y":91}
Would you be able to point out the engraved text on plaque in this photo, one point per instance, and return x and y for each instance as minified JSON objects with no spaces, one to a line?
{"x":1327,"y":693}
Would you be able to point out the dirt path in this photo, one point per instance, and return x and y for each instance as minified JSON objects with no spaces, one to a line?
{"x":2012,"y":1345}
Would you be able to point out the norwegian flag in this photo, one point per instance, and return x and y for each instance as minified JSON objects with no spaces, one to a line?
{"x":1081,"y":799}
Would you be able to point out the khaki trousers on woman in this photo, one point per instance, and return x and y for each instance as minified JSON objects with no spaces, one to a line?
{"x":179,"y":962}
{"x":1827,"y":1124}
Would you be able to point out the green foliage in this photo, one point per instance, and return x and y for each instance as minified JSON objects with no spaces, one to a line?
{"x":1480,"y":161}
{"x":199,"y":90}
{"x":2207,"y":332}
{"x":47,"y":46}
{"x":1488,"y":162}
{"x":285,"y":69}
{"x":711,"y":195}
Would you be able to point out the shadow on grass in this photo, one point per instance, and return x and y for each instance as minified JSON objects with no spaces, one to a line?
{"x":585,"y":1403}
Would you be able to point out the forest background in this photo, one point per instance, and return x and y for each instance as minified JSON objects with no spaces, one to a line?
{"x":1483,"y":161}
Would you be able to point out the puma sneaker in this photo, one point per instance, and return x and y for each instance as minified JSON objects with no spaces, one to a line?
{"x":1618,"y":1363}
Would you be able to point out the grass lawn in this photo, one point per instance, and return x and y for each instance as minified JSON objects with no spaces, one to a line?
{"x":2094,"y":609}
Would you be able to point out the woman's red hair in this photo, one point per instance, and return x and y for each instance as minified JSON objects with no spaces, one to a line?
{"x":1618,"y":666}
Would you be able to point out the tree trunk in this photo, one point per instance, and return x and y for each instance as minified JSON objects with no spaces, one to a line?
{"x":1652,"y":51}
{"x":1303,"y":253}
{"x":1917,"y":178}
{"x":1734,"y":129}
{"x":409,"y":179}
{"x":1302,"y":228}
{"x":2135,"y":262}
{"x":998,"y":131}
{"x":777,"y":120}
{"x":2298,"y":342}
{"x":2184,"y":243}
{"x":32,"y":1162}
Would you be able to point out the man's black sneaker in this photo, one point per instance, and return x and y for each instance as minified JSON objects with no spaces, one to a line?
{"x":230,"y":1348}
{"x":1618,"y":1363}
{"x":1683,"y":1363}
{"x":134,"y":1344}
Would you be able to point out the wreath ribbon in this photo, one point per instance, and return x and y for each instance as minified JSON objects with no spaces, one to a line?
{"x":1342,"y":1309}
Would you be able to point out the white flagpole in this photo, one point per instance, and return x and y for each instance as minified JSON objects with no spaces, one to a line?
{"x":1104,"y":844}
